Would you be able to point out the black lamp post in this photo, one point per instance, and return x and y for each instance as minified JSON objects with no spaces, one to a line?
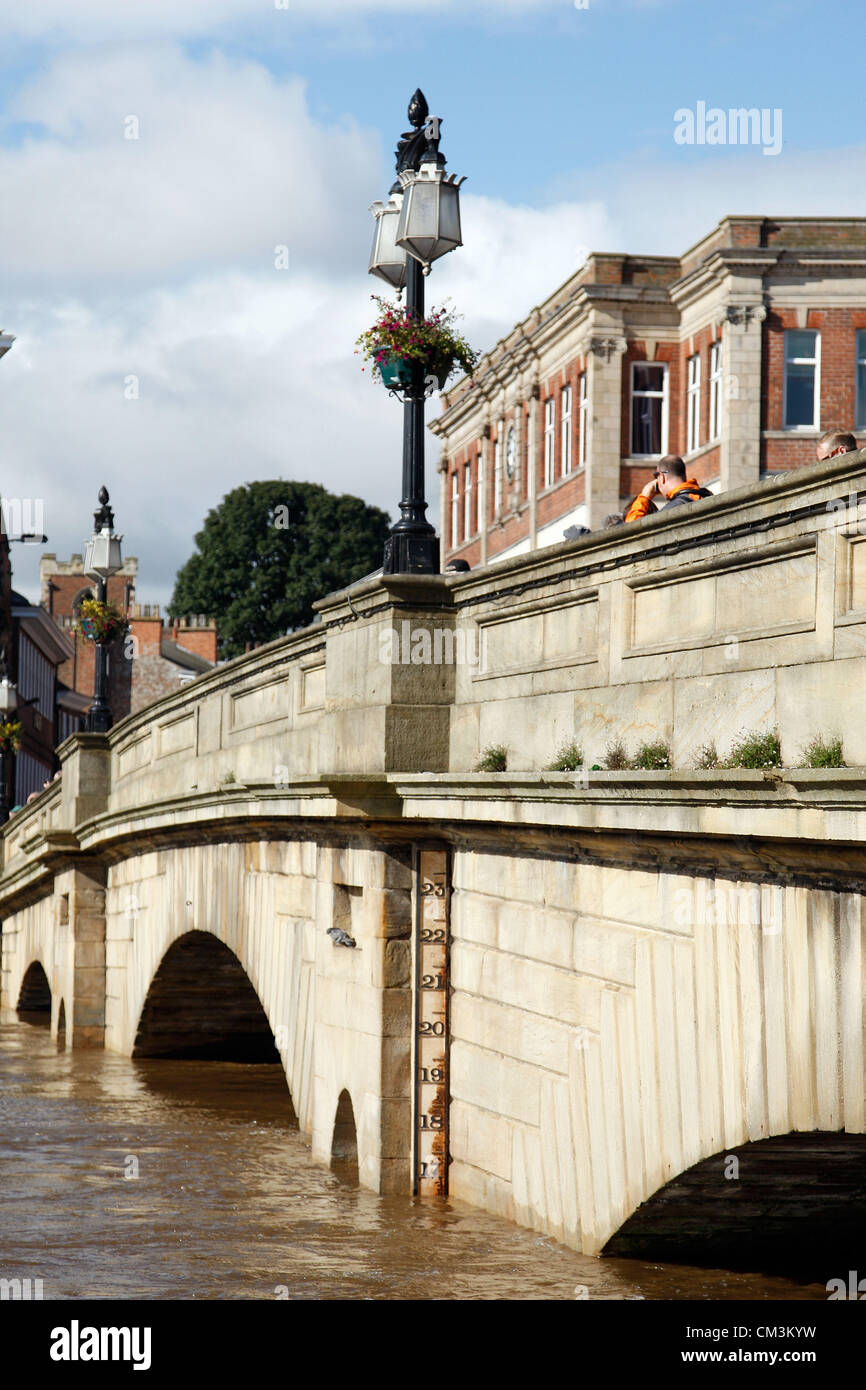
{"x":102,"y":559}
{"x":8,"y":710}
{"x":419,"y":223}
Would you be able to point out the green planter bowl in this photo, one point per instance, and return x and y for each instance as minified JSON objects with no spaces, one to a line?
{"x":396,"y":372}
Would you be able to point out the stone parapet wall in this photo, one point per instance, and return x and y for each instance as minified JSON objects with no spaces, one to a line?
{"x":744,"y":612}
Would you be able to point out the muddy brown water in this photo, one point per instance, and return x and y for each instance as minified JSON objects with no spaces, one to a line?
{"x":188,"y":1180}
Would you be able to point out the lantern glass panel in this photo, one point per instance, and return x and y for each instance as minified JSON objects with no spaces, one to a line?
{"x":102,"y":555}
{"x":8,"y":696}
{"x":387,"y":259}
{"x":449,"y":216}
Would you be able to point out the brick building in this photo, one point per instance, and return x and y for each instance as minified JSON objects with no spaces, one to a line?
{"x":737,"y":355}
{"x":39,"y":649}
{"x":167,"y":654}
{"x":157,"y":658}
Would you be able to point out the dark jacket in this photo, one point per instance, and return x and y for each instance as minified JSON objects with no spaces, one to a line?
{"x":689,"y":493}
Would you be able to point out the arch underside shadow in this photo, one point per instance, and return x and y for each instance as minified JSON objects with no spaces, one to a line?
{"x":344,"y":1145}
{"x":202,"y":1006}
{"x":792,"y":1205}
{"x":34,"y":999}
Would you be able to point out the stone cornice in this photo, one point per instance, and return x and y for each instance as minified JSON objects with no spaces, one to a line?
{"x":678,"y":821}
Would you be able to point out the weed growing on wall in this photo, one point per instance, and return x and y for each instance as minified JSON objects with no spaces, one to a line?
{"x":651,"y":757}
{"x":756,"y":750}
{"x":568,"y":759}
{"x":493,"y":759}
{"x":820,"y":753}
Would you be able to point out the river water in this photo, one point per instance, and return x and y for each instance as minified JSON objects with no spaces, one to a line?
{"x":188,"y":1180}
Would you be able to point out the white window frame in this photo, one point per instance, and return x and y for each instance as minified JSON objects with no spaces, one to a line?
{"x":455,"y":509}
{"x":860,"y":356}
{"x":655,"y":395}
{"x":693,"y":404}
{"x":583,"y":419}
{"x":549,"y":440}
{"x":510,"y":454}
{"x":467,"y":501}
{"x":566,"y":446}
{"x":716,"y":371}
{"x":497,"y":477}
{"x":816,"y":381}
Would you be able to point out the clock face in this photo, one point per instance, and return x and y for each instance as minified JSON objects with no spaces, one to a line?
{"x":510,"y":452}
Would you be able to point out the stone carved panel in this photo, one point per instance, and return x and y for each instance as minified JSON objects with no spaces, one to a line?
{"x":767,"y":597}
{"x":175,"y":736}
{"x":313,"y":687}
{"x":134,"y":756}
{"x":261,"y":705}
{"x":539,"y":638}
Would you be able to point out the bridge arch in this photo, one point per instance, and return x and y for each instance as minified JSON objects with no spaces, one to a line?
{"x":791,"y":1205}
{"x":34,"y":996}
{"x":344,"y":1143}
{"x":201,"y":1005}
{"x":221,"y":920}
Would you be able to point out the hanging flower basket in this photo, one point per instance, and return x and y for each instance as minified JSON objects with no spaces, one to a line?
{"x":10,"y":736}
{"x":398,"y":342}
{"x":99,"y":622}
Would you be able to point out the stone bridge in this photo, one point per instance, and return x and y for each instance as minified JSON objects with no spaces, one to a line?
{"x":567,"y":988}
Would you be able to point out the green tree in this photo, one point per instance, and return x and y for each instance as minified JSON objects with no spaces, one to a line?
{"x":268,"y":550}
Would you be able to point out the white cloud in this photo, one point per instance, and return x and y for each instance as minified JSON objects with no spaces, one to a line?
{"x":154,"y":259}
{"x":227,"y":164}
{"x":514,"y":257}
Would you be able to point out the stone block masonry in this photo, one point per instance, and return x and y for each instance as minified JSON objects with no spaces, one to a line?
{"x":645,"y":969}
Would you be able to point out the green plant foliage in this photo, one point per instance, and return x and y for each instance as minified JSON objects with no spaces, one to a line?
{"x":756,"y":750}
{"x":10,"y":735}
{"x":652,"y":757}
{"x":493,"y":759}
{"x":432,"y":340}
{"x":708,"y":756}
{"x":616,"y":758}
{"x":568,"y":759}
{"x":99,"y":622}
{"x":820,"y":753}
{"x":268,"y":551}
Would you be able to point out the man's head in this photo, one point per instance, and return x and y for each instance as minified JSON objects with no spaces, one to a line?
{"x":456,"y":567}
{"x":835,"y":442}
{"x":670,"y":472}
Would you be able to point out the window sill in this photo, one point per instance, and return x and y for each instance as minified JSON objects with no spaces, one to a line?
{"x":702,"y":449}
{"x":560,"y":482}
{"x":793,"y":432}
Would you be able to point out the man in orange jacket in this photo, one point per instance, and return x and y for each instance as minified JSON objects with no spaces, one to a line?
{"x":670,"y":481}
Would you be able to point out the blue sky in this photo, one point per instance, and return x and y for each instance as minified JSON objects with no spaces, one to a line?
{"x":263,"y":126}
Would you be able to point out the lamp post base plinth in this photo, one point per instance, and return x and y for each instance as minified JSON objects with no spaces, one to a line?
{"x":411,"y":552}
{"x":98,"y":720}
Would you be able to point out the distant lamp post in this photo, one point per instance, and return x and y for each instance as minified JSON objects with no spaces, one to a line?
{"x":102,"y":559}
{"x":8,"y":710}
{"x":419,"y":223}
